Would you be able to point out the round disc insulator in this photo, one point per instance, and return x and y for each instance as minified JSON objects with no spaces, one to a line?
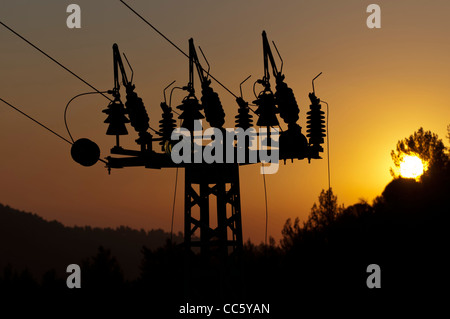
{"x":85,"y":152}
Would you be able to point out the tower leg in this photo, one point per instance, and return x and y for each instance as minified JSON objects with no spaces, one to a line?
{"x":220,"y":246}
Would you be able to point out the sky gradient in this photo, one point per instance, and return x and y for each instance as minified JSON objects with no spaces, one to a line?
{"x":381,"y":86}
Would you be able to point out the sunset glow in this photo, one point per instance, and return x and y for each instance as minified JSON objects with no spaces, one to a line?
{"x":405,"y":60}
{"x":412,"y":167}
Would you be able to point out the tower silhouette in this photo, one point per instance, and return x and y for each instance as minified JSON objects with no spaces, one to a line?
{"x":210,"y":182}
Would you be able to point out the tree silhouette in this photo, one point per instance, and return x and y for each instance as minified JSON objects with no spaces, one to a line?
{"x":291,"y":234}
{"x":102,"y":272}
{"x":448,"y":134}
{"x":325,"y":213}
{"x":322,"y":215}
{"x":424,"y":144}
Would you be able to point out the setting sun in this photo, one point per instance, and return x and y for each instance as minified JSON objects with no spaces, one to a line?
{"x":412,"y":167}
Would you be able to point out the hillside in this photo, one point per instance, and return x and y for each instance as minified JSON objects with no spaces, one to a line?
{"x":27,"y":241}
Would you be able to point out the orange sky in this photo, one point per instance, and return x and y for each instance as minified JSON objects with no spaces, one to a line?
{"x":381,"y":85}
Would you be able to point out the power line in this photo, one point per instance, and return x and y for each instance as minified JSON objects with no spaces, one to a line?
{"x":328,"y":159}
{"x":267,"y":210}
{"x":174,"y":45}
{"x":54,"y":60}
{"x":151,"y":26}
{"x":328,"y":146}
{"x":67,"y":106}
{"x":173,"y":206}
{"x":36,"y":121}
{"x":175,"y":189}
{"x":61,"y":65}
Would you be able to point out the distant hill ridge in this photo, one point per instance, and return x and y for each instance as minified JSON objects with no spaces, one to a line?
{"x":29,"y":241}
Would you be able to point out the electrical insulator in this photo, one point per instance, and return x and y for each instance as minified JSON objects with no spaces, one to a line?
{"x":266,"y":109}
{"x":214,"y":113}
{"x":85,"y":152}
{"x":166,"y":125}
{"x":244,"y":119}
{"x":287,"y":105}
{"x":315,"y":123}
{"x":136,"y":111}
{"x":116,"y":118}
{"x":191,"y":112}
{"x":293,"y":144}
